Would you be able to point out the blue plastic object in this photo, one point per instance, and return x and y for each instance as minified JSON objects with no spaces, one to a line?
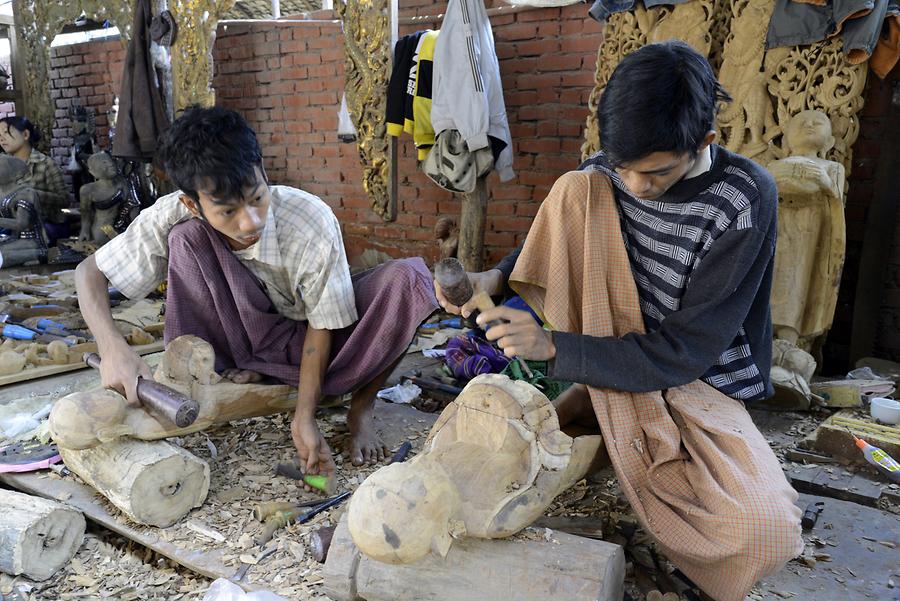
{"x":18,"y":332}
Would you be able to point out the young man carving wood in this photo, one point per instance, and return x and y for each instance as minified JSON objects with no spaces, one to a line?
{"x":260,"y":272}
{"x":652,"y":267}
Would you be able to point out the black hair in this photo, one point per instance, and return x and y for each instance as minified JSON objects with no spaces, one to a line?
{"x":660,"y":98}
{"x":22,"y":124}
{"x":210,"y":148}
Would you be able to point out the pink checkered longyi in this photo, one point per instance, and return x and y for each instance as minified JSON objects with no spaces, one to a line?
{"x":699,"y":475}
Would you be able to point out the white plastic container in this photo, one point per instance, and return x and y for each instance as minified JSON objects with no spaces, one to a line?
{"x":886,"y":411}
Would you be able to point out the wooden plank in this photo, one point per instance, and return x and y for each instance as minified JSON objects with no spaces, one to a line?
{"x":89,"y":502}
{"x":837,"y":484}
{"x":50,"y":370}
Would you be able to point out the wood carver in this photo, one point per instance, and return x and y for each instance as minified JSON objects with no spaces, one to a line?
{"x":811,"y":231}
{"x":493,"y":463}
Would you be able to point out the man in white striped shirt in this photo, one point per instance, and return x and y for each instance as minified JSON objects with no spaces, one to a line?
{"x":259,"y":272}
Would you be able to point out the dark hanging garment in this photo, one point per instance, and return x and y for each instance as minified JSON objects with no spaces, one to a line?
{"x":142,"y":114}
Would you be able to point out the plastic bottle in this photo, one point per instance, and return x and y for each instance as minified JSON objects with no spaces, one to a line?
{"x":881,"y":460}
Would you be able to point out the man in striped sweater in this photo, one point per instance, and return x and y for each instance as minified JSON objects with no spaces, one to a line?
{"x":699,"y":223}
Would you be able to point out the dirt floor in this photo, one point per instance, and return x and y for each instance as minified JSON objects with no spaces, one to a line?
{"x":851,"y":552}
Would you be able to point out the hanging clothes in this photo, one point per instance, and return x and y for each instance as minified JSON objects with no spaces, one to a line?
{"x":142,"y":114}
{"x":468,"y":93}
{"x":400,"y":90}
{"x":863,"y":25}
{"x":410,"y":89}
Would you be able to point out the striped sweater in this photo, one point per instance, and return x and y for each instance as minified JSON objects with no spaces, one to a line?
{"x":702,"y":257}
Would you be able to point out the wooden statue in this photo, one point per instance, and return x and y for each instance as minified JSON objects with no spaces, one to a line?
{"x":83,"y":420}
{"x":37,"y":536}
{"x":25,"y":240}
{"x":809,"y":255}
{"x":494,"y":461}
{"x":104,"y":203}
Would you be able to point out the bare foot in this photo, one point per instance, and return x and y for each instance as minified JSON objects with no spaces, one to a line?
{"x":365,"y":444}
{"x":242,"y":376}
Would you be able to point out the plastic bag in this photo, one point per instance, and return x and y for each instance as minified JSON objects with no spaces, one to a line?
{"x":401,"y":393}
{"x":225,"y":590}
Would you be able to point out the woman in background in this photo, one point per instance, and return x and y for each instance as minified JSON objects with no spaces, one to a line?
{"x":18,"y":136}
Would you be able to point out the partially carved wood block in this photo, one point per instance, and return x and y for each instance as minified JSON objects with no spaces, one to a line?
{"x":494,"y":461}
{"x":86,"y":419}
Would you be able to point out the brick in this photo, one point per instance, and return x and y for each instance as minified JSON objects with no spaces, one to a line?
{"x":540,"y":47}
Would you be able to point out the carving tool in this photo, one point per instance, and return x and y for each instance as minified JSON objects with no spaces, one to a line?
{"x":280,"y":519}
{"x":319,"y":482}
{"x":159,"y":398}
{"x":401,"y":454}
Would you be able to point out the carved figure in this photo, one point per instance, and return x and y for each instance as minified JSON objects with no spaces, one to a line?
{"x":83,"y":147}
{"x":494,"y":461}
{"x":105,"y":203}
{"x":809,"y":255}
{"x":690,"y":22}
{"x":24,"y":239}
{"x":747,"y":122}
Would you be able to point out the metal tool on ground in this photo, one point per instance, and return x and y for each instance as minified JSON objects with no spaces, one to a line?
{"x":280,"y":519}
{"x":431,"y":384}
{"x":158,"y":398}
{"x":242,"y":571}
{"x":401,"y":453}
{"x":883,"y":462}
{"x":811,"y":515}
{"x":290,"y":470}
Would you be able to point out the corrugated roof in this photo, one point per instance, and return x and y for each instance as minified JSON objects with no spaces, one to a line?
{"x":262,"y":9}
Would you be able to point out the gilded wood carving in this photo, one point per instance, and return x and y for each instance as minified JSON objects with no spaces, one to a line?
{"x":367,"y":44}
{"x":37,"y":23}
{"x":769,"y":87}
{"x":192,"y":62}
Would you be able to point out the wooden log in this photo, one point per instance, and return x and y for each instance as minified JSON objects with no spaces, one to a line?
{"x":37,"y":536}
{"x":153,"y":483}
{"x":554,"y":566}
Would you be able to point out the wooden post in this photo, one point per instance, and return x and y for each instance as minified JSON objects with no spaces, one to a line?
{"x":37,"y":536}
{"x":471,"y":227}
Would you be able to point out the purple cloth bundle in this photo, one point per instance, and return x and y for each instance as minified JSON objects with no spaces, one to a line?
{"x":468,"y":356}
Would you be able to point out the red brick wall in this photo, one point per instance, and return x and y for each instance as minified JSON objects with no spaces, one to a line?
{"x":89,"y":74}
{"x":287,"y":79}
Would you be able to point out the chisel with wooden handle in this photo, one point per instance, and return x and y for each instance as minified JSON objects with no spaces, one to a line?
{"x":159,"y":398}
